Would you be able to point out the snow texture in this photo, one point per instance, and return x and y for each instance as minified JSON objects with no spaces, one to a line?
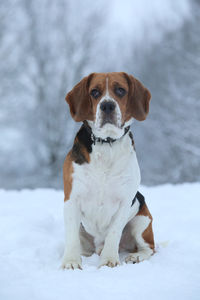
{"x":32,"y":244}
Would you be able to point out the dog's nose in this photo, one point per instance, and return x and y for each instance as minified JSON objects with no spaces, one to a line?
{"x":107,"y":106}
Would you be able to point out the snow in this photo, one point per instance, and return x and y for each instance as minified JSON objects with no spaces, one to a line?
{"x":32,"y":243}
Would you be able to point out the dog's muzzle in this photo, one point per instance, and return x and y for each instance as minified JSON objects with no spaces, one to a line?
{"x":108,"y":112}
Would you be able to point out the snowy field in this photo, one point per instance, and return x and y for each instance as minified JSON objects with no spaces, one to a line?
{"x":32,"y":243}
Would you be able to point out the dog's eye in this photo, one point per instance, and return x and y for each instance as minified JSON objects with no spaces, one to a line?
{"x":95,"y":93}
{"x":119,"y":91}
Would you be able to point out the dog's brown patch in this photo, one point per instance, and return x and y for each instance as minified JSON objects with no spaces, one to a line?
{"x":67,"y":175}
{"x":79,"y":154}
{"x":148,"y":232}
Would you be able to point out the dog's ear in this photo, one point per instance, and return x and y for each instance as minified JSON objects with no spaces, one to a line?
{"x":138,"y":99}
{"x":79,"y":101}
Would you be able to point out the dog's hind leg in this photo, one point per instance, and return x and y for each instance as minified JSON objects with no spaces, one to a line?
{"x":142,"y":233}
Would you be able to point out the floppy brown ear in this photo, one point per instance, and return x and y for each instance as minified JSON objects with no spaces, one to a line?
{"x":79,"y":101}
{"x":139,"y":98}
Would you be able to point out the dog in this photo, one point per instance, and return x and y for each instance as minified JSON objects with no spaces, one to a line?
{"x":104,"y":212}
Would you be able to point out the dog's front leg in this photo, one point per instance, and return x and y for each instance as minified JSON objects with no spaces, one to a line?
{"x":110,"y":253}
{"x":72,"y":253}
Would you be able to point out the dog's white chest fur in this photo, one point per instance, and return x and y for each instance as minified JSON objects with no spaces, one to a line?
{"x":104,"y":185}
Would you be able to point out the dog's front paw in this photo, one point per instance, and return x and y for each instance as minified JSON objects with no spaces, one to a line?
{"x":72,"y":264}
{"x":109,"y":262}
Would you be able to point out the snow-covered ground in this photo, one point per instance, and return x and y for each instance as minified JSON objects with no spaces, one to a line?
{"x":32,"y":243}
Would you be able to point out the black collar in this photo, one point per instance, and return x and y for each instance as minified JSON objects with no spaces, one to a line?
{"x":108,"y":140}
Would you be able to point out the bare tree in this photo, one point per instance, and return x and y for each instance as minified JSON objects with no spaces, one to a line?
{"x":54,"y":56}
{"x":171,"y":71}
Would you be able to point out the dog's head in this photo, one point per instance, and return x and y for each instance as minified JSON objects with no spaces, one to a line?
{"x":109,"y":101}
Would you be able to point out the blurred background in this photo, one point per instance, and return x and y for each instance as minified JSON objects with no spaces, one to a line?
{"x":48,"y":46}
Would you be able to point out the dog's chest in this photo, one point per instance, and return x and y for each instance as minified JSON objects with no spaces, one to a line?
{"x":109,"y":180}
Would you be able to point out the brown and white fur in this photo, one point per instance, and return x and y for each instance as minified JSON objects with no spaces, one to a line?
{"x":101,"y":179}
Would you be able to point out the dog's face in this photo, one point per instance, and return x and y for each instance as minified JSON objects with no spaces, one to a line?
{"x":109,"y":101}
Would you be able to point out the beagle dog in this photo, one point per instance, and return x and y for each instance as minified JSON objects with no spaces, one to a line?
{"x":103,"y":211}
